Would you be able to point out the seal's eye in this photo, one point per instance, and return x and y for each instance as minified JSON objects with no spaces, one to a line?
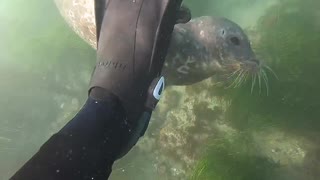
{"x":235,"y":41}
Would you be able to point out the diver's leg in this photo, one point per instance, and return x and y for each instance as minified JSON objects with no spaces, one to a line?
{"x":84,"y":149}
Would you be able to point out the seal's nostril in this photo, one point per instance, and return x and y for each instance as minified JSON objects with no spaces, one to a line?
{"x":256,"y":61}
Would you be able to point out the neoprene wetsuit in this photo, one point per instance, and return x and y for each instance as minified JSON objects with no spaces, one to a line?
{"x":84,"y":149}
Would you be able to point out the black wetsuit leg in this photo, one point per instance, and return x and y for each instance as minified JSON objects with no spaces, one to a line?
{"x":84,"y":149}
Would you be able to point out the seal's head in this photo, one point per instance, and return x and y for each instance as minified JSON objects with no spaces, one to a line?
{"x":236,"y":60}
{"x":233,"y":46}
{"x":225,"y":51}
{"x":227,"y":43}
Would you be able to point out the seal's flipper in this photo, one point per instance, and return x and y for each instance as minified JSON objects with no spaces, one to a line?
{"x":99,"y":8}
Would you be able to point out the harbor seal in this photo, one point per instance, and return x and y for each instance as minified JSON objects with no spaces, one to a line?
{"x":208,"y":46}
{"x":217,"y":47}
{"x":202,"y":48}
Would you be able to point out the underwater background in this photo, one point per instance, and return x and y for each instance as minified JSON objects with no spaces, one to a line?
{"x":198,"y":132}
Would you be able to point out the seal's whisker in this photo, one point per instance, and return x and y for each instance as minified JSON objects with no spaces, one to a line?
{"x":233,"y":73}
{"x":270,"y":69}
{"x":246,"y":76}
{"x":265,"y":79}
{"x":231,"y":83}
{"x":235,"y":80}
{"x":232,"y":62}
{"x":239,"y":78}
{"x":259,"y":78}
{"x":243,"y":77}
{"x":265,"y":74}
{"x":239,"y":81}
{"x":254,"y":77}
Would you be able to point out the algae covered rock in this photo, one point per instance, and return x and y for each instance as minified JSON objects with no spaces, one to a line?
{"x":180,"y":128}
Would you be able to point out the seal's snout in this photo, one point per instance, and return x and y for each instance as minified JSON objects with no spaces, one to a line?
{"x":256,"y":61}
{"x":252,"y":65}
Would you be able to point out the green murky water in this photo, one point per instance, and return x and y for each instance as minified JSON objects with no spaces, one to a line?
{"x":199,"y":132}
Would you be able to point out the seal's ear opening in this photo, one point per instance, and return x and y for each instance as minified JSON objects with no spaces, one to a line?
{"x":184,"y":15}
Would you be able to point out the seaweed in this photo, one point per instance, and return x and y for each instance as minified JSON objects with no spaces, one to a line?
{"x":233,"y":158}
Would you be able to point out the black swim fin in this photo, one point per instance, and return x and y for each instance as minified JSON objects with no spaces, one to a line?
{"x":133,"y":39}
{"x":183,"y":16}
